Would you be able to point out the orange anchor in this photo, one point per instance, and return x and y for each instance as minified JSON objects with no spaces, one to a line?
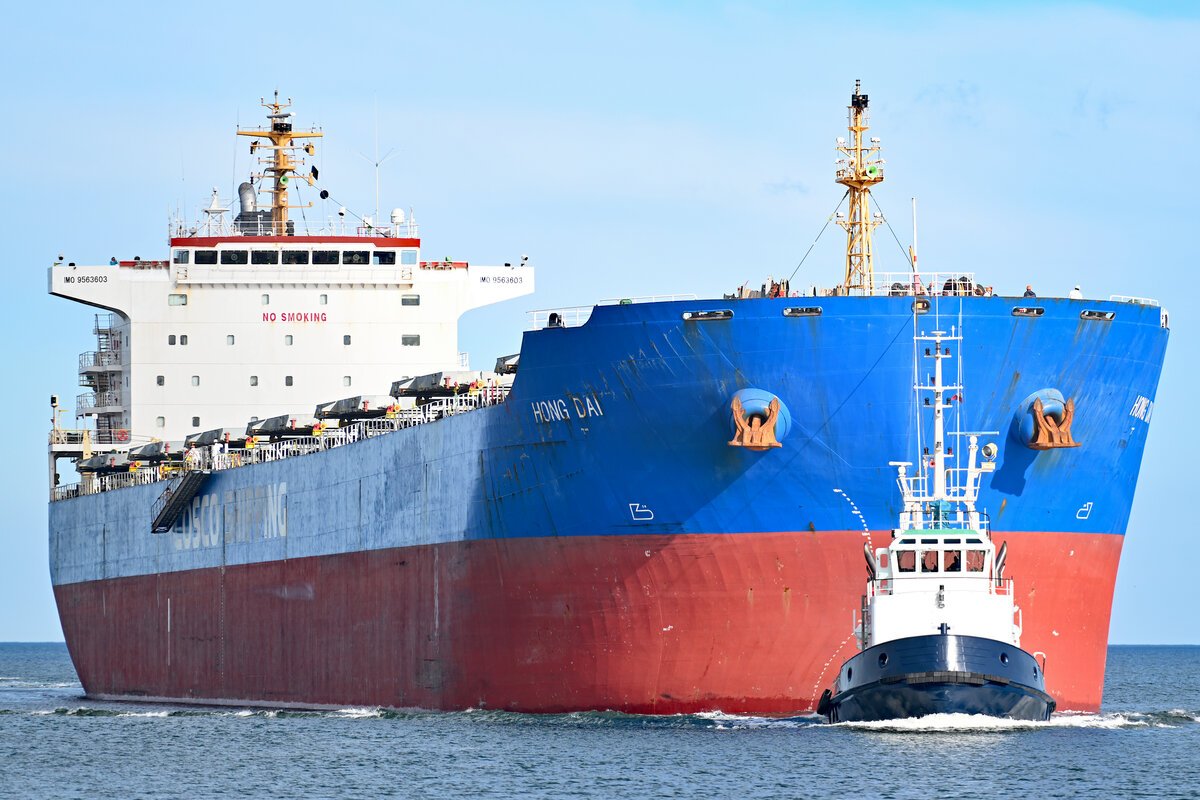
{"x":755,"y":433}
{"x":1051,"y":432}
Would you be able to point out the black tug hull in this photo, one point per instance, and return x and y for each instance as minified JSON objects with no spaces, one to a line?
{"x":938,"y":674}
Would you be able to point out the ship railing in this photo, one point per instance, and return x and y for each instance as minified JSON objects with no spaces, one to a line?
{"x":88,"y":402}
{"x":222,"y":457}
{"x":1137,"y":301}
{"x":99,"y":358}
{"x":330,"y":226}
{"x":922,"y":284}
{"x":574,"y":316}
{"x":105,"y":323}
{"x":885,"y":586}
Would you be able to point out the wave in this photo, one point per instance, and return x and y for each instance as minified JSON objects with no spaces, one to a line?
{"x":710,"y":720}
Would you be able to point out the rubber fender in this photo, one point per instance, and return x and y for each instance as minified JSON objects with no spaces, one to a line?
{"x":755,"y":402}
{"x":1023,"y":426}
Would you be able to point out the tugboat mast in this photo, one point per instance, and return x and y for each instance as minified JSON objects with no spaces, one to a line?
{"x":281,"y":166}
{"x":859,"y":168}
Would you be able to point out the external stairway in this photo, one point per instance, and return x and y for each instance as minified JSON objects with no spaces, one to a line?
{"x":172,"y":502}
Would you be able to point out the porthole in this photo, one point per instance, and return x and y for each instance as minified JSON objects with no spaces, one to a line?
{"x":849,"y":673}
{"x":1004,"y":658}
{"x":882,"y":660}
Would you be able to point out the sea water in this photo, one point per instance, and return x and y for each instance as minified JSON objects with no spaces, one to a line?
{"x":56,"y":743}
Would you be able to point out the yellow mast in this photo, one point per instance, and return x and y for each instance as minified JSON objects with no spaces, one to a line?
{"x":859,"y":168}
{"x":281,"y":166}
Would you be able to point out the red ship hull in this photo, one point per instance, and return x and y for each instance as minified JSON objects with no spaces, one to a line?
{"x":747,"y":623}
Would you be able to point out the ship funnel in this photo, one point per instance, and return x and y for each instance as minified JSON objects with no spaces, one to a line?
{"x":246,"y":196}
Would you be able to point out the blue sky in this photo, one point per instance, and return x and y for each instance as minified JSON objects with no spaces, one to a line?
{"x":629,"y":148}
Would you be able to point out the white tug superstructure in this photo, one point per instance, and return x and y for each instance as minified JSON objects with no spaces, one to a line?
{"x":942,"y":549}
{"x":939,"y":632}
{"x":256,"y":316}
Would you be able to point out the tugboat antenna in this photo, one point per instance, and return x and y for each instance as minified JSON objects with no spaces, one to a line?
{"x":859,"y":168}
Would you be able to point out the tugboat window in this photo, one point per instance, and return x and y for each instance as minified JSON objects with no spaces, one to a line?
{"x":953,"y":562}
{"x":929,"y":561}
{"x":975,"y":559}
{"x":906,"y":561}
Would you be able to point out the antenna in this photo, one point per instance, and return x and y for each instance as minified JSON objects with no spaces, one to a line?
{"x":912,"y":251}
{"x":378,"y":162}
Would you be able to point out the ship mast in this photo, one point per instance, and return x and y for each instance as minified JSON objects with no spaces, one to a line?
{"x":859,"y":168}
{"x":280,"y":167}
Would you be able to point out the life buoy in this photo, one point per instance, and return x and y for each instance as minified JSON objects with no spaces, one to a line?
{"x":122,"y":435}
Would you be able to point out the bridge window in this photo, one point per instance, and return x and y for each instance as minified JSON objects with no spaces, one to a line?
{"x":385,"y":259}
{"x":356,"y":257}
{"x":408,"y":256}
{"x":264,"y":256}
{"x":410,"y":300}
{"x":952,"y":561}
{"x":325,"y":256}
{"x":181,"y":256}
{"x":295,"y":256}
{"x":234,"y":257}
{"x":410,"y":340}
{"x":206,"y":256}
{"x":177,"y":299}
{"x":929,"y":561}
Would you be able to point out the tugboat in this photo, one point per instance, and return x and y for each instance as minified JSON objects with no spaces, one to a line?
{"x":939,"y":633}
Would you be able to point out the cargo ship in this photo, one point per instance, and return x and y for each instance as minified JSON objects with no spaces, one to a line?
{"x":294,"y":492}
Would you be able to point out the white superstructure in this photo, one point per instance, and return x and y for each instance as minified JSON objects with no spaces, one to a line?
{"x":941,"y":572}
{"x":254,"y":318}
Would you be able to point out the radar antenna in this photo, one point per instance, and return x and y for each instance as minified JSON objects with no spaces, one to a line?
{"x":281,"y":167}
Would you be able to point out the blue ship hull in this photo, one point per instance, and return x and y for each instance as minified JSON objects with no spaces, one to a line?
{"x":601,"y":505}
